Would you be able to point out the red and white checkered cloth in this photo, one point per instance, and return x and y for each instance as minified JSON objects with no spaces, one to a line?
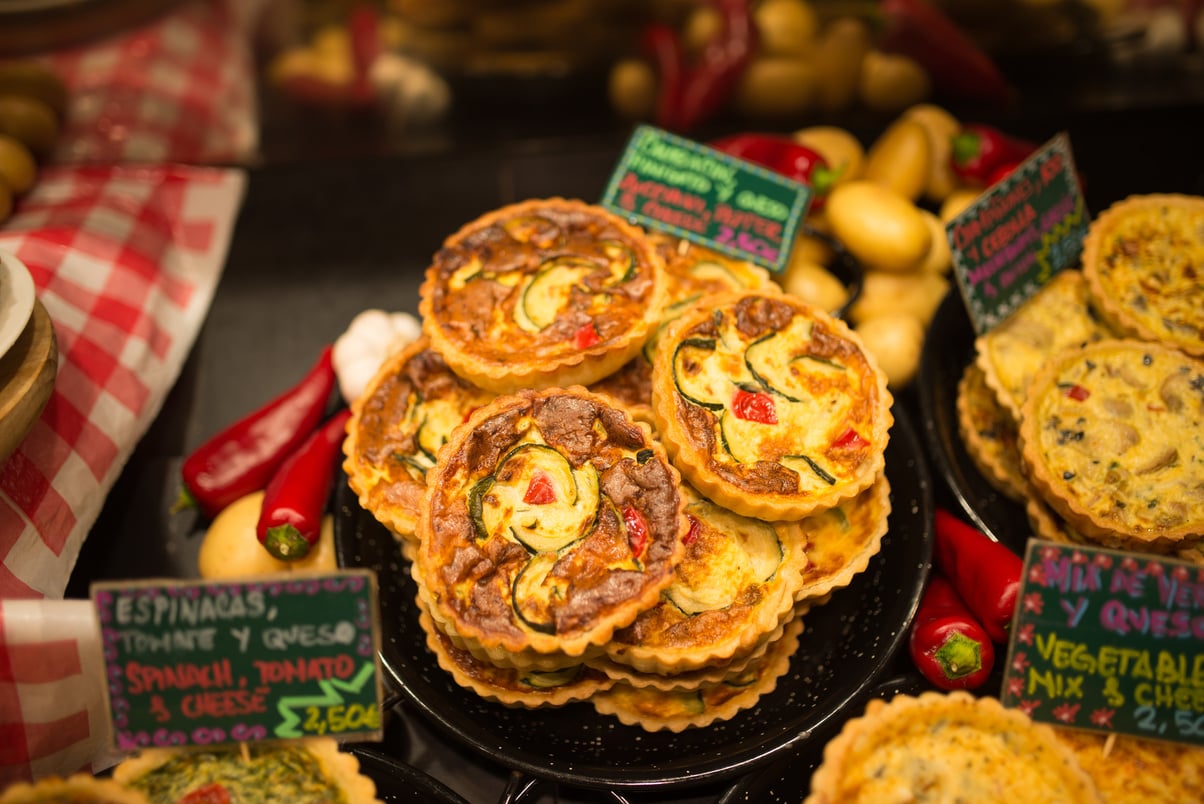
{"x":125,"y":260}
{"x":180,"y":88}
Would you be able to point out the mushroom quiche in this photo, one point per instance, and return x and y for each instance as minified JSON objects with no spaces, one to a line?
{"x":1144,"y":260}
{"x":769,"y":406}
{"x":1113,"y":436}
{"x":541,"y":293}
{"x":551,"y":519}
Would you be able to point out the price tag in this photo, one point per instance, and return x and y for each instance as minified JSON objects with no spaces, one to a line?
{"x":1109,"y":641}
{"x":682,"y":187}
{"x":204,"y":663}
{"x":1020,"y":232}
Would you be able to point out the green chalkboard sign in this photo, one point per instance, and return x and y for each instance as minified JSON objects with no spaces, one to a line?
{"x":204,"y":663}
{"x":1109,"y":641}
{"x":1020,"y":232}
{"x":700,"y":194}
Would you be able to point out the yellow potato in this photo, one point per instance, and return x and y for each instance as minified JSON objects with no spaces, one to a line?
{"x":838,"y":56}
{"x":896,"y":340}
{"x":6,"y":202}
{"x":880,"y":227}
{"x":957,"y":201}
{"x":35,"y":80}
{"x":839,"y":147}
{"x":18,"y":169}
{"x":29,"y":121}
{"x":775,"y":87}
{"x":890,"y":82}
{"x":940,"y":256}
{"x":786,"y":27}
{"x":702,"y":25}
{"x":632,"y":88}
{"x":900,"y":159}
{"x":808,"y":248}
{"x":814,"y":284}
{"x":882,"y":293}
{"x":941,"y":126}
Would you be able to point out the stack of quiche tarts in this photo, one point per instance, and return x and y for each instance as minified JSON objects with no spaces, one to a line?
{"x":622,"y":466}
{"x":1087,"y":404}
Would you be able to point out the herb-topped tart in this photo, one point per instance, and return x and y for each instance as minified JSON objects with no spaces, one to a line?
{"x":551,"y":519}
{"x":397,"y":426}
{"x":1113,"y":436}
{"x":769,"y":406}
{"x":1144,"y":260}
{"x":542,"y":293}
{"x":309,"y":771}
{"x":78,"y":788}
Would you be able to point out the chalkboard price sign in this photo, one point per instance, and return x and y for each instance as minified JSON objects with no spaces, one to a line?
{"x":1020,"y":232}
{"x":1109,"y":641}
{"x":682,"y":187}
{"x":203,"y":663}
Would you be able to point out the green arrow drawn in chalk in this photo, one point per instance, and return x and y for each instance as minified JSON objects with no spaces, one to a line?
{"x":330,"y":696}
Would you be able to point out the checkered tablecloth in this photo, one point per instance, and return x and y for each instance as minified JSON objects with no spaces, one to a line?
{"x":125,"y":260}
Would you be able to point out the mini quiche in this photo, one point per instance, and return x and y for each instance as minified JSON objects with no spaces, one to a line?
{"x":654,"y":709}
{"x":842,"y":540}
{"x":309,"y":771}
{"x":1144,"y":261}
{"x":769,"y":406}
{"x":988,"y":432}
{"x":551,"y":519}
{"x":78,"y":788}
{"x":1056,"y":317}
{"x":510,"y":686}
{"x":735,"y":585}
{"x":952,"y":746}
{"x":397,"y":426}
{"x":1113,"y":437}
{"x":1129,"y":770}
{"x":542,"y":293}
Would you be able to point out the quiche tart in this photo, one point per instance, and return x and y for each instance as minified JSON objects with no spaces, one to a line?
{"x":842,"y":540}
{"x":1144,"y":261}
{"x":769,"y":406}
{"x":734,"y":585}
{"x":542,"y":293}
{"x":1057,"y":317}
{"x":939,"y":747}
{"x":1113,"y":436}
{"x":397,"y":426}
{"x":78,"y":788}
{"x":988,"y":432}
{"x":677,"y":710}
{"x":1129,"y":770}
{"x":551,"y":519}
{"x":308,"y":771}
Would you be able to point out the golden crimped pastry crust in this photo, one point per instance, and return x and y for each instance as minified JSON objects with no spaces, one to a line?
{"x":1056,"y":317}
{"x":939,"y":747}
{"x":1144,"y":261}
{"x":307,"y":771}
{"x":396,"y":429}
{"x":78,"y":788}
{"x":842,"y":540}
{"x":734,"y":585}
{"x":551,"y":519}
{"x":988,"y":432}
{"x":1128,"y":770}
{"x":770,"y":406}
{"x":541,"y":293}
{"x":659,"y":710}
{"x":1113,"y":436}
{"x":508,"y":685}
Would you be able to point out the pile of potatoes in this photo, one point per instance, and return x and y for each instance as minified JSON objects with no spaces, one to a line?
{"x":33,"y":104}
{"x":888,"y":207}
{"x":805,"y":63}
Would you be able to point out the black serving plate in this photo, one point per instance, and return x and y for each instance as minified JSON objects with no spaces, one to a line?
{"x":787,"y":779}
{"x":846,"y":645}
{"x":397,"y":781}
{"x":948,"y":349}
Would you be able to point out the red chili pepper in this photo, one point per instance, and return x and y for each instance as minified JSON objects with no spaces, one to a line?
{"x":785,"y":156}
{"x":1002,"y":171}
{"x":958,"y":67}
{"x":541,"y":491}
{"x":948,"y":646}
{"x":978,"y":149}
{"x":212,"y":793}
{"x":586,"y":336}
{"x":241,"y":458}
{"x":985,"y":573}
{"x":753,"y":406}
{"x":637,"y":530}
{"x":363,"y":28}
{"x":295,"y":498}
{"x":662,"y":46}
